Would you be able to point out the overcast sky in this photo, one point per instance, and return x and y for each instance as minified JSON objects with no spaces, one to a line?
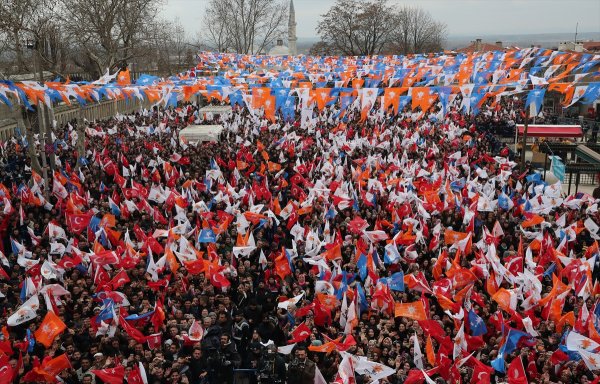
{"x":463,"y":17}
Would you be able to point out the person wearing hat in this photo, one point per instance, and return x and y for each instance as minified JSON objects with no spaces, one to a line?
{"x":240,"y":331}
{"x":271,"y":368}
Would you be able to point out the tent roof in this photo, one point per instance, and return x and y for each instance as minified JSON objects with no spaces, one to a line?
{"x":551,"y":130}
{"x":202,"y":132}
{"x":216,"y":109}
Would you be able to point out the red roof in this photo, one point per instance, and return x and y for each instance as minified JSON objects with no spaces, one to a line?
{"x":591,"y":45}
{"x":552,"y":130}
{"x":483,"y":47}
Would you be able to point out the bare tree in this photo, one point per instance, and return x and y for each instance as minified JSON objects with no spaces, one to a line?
{"x":417,"y":32}
{"x":108,"y":33}
{"x":31,"y":20}
{"x":355,"y":27}
{"x":244,"y":26}
{"x":215,"y":20}
{"x":321,"y":48}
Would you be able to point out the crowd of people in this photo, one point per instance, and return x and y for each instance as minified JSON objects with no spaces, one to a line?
{"x":398,"y":249}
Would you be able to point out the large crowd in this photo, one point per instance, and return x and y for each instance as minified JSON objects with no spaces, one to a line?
{"x":398,"y":249}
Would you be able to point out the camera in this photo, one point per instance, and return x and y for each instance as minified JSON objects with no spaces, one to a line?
{"x":297,"y":364}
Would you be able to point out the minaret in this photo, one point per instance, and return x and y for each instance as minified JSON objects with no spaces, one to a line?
{"x":292,"y":30}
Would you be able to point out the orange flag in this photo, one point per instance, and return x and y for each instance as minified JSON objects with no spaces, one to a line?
{"x":453,"y":237}
{"x":269,"y":105}
{"x":531,"y":221}
{"x":259,"y":96}
{"x":490,"y":285}
{"x":391,"y":96}
{"x":439,"y":265}
{"x":51,"y":327}
{"x":282,"y":266}
{"x":334,"y":252}
{"x":274,"y":167}
{"x":566,"y":319}
{"x":172,"y":260}
{"x":429,"y":351}
{"x":124,"y":78}
{"x":414,"y":310}
{"x":503,"y":297}
{"x":592,"y":332}
{"x":327,"y":347}
{"x":328,"y":301}
{"x":51,"y":368}
{"x":322,"y":97}
{"x":558,"y":287}
{"x":419,"y":96}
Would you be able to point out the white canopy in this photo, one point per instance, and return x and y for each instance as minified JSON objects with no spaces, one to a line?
{"x":216,"y":109}
{"x":201,"y":132}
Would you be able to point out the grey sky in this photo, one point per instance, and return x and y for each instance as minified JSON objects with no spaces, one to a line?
{"x":463,"y":17}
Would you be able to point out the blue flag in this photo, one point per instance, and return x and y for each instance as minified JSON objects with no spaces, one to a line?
{"x":476,"y":324}
{"x":362,"y":299}
{"x":139,"y":317}
{"x":396,"y":281}
{"x":362,"y":266}
{"x":207,"y":236}
{"x":30,"y":341}
{"x":114,"y":208}
{"x":503,"y":201}
{"x":512,"y":340}
{"x":535,"y":97}
{"x":106,"y":312}
{"x":498,"y":364}
{"x":94,"y":224}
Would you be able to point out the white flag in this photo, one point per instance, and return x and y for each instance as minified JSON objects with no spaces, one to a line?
{"x":418,"y":355}
{"x":576,"y":341}
{"x":26,"y":312}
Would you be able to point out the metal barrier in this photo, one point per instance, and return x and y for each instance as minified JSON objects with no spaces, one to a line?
{"x":244,"y":376}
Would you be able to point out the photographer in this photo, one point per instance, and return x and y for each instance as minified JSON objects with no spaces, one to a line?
{"x":301,"y":370}
{"x":271,"y":368}
{"x":228,"y":359}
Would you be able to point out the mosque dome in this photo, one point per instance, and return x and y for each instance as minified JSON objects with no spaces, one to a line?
{"x":279,"y":49}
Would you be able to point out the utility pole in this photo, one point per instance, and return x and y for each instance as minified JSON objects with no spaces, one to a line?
{"x":524,"y":139}
{"x":35,"y":46}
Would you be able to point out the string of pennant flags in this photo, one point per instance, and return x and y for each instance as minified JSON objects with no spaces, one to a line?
{"x":284,"y":84}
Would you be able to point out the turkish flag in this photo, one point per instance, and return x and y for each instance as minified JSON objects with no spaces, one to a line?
{"x":119,"y":279}
{"x":516,"y":372}
{"x":110,"y":375}
{"x":78,"y":222}
{"x":6,"y":372}
{"x":217,"y":279}
{"x":133,"y":332}
{"x":154,"y":340}
{"x":301,"y":333}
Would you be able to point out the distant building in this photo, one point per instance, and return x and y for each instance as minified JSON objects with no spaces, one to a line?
{"x":479,"y":46}
{"x":280,"y":49}
{"x":580,"y":46}
{"x":570,"y":46}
